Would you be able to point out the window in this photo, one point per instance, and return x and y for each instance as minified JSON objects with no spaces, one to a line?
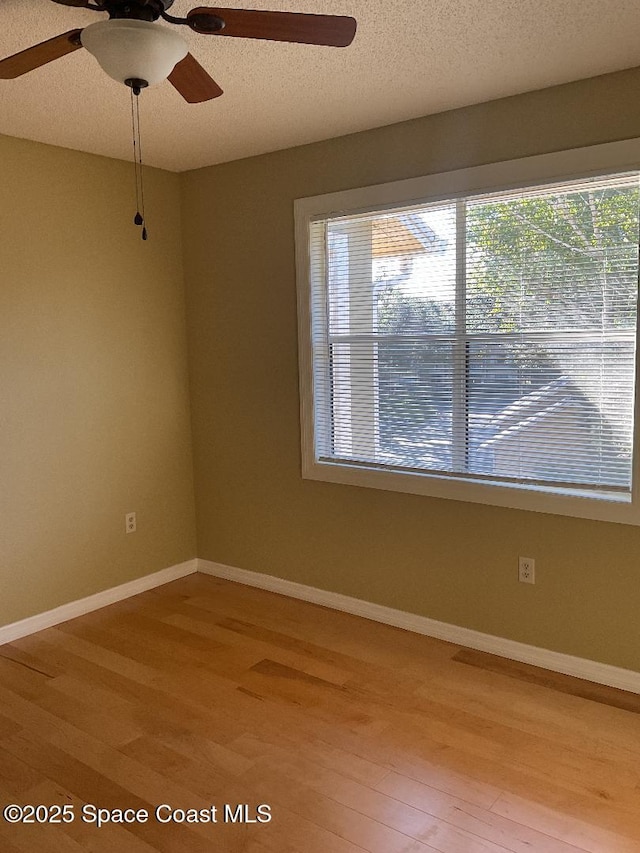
{"x":479,"y":345}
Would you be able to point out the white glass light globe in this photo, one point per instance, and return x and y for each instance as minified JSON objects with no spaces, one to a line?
{"x":129,"y":49}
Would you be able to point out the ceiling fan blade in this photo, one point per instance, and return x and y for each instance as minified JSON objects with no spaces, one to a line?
{"x":193,"y":82}
{"x":33,"y":57}
{"x":332,"y":30}
{"x":79,"y":3}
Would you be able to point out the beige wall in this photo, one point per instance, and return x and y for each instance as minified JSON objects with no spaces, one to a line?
{"x":452,"y":561}
{"x":94,"y":417}
{"x":94,"y":410}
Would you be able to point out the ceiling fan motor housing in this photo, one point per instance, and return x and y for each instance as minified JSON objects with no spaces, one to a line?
{"x":140,"y":10}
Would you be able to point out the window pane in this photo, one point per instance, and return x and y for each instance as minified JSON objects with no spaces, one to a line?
{"x":569,"y":259}
{"x":392,"y":403}
{"x":548,"y":410}
{"x":415,"y":382}
{"x":393,"y":273}
{"x":554,"y":274}
{"x":391,"y":289}
{"x":511,"y":357}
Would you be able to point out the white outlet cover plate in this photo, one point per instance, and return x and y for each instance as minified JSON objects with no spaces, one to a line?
{"x":526,"y":570}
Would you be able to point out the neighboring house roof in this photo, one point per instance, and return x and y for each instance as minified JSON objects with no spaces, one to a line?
{"x":546,"y":417}
{"x":406,"y":234}
{"x":534,"y":403}
{"x":545,"y":407}
{"x":424,"y":233}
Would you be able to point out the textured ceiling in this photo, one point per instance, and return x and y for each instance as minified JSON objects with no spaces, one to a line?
{"x":409,"y":58}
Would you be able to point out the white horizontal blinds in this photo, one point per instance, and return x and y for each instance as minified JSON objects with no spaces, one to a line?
{"x":390,"y":326}
{"x":490,"y":337}
{"x":552,"y":280}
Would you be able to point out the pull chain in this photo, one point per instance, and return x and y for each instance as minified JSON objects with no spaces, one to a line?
{"x":139,"y":218}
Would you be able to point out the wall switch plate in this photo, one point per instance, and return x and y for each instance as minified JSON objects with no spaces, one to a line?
{"x":526,"y":570}
{"x":130,"y":522}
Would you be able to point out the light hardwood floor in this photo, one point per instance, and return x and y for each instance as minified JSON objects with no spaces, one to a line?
{"x":361,"y":737}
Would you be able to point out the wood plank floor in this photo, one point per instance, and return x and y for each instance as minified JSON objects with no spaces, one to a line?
{"x":360,"y":737}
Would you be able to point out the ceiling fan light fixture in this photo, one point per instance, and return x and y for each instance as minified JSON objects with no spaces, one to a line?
{"x":130,"y":49}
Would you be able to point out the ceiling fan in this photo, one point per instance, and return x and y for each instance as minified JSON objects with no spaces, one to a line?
{"x":135,"y":50}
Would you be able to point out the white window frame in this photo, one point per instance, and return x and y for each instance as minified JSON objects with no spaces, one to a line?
{"x":514,"y":174}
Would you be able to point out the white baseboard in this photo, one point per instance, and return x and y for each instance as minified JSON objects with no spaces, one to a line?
{"x":600,"y":673}
{"x":15,"y":630}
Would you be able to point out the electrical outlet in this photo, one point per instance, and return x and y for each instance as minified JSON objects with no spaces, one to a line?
{"x":130,"y":522}
{"x":526,"y":570}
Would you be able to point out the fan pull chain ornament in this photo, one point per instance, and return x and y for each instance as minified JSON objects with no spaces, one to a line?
{"x":136,"y":87}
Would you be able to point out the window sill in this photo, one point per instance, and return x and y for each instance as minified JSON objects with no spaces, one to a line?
{"x":598,"y":506}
